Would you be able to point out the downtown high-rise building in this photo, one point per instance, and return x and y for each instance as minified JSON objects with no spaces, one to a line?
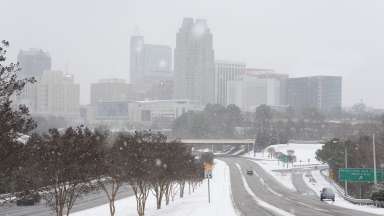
{"x":150,"y":64}
{"x":194,"y":62}
{"x":136,"y":58}
{"x":226,"y":71}
{"x":33,"y":63}
{"x":321,"y":92}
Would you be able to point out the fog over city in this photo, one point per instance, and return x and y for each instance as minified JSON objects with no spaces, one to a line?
{"x":90,"y":38}
{"x":198,"y":108}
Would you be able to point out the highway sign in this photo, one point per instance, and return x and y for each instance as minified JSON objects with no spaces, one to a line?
{"x":208,"y":174}
{"x":208,"y":167}
{"x":283,"y":158}
{"x":359,"y":175}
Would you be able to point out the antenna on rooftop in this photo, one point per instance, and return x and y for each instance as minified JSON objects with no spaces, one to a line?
{"x":66,"y":69}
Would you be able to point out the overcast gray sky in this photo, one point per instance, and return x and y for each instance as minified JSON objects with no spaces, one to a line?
{"x":298,"y":37}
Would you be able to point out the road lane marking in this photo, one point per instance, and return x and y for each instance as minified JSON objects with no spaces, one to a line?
{"x":287,"y":198}
{"x":259,"y":201}
{"x":267,"y":186}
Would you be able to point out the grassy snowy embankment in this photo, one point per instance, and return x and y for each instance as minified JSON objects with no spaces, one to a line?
{"x":195,"y":204}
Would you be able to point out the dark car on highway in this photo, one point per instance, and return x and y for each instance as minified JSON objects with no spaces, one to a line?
{"x":28,"y":199}
{"x":327,"y":194}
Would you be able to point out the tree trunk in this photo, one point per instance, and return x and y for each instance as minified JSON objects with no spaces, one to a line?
{"x":168,"y":190}
{"x":159,"y":190}
{"x":111,"y":195}
{"x":141,"y":191}
{"x":158,"y":201}
{"x":112,"y":208}
{"x":182,"y":185}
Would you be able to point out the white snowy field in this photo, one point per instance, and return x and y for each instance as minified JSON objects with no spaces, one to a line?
{"x":321,"y":182}
{"x":194,"y":204}
{"x":304,"y":152}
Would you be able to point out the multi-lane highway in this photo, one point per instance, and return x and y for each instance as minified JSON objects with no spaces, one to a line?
{"x":260,"y":194}
{"x":88,"y":201}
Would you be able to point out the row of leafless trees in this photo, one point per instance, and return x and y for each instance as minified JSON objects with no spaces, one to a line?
{"x":62,"y":166}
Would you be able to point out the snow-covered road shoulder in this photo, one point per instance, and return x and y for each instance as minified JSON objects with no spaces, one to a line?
{"x":194,"y":204}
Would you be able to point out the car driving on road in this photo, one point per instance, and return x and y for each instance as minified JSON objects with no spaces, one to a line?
{"x":249,"y":172}
{"x":28,"y":199}
{"x":327,"y":194}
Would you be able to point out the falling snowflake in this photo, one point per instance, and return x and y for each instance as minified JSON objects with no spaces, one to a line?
{"x":199,"y":29}
{"x":158,"y":162}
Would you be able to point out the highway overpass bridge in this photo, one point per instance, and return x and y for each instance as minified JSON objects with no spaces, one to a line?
{"x":218,"y":141}
{"x":219,"y":144}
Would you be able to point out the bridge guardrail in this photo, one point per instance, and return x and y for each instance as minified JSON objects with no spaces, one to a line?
{"x":353,"y":200}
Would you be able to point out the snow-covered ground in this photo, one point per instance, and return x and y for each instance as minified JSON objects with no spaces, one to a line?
{"x":285,"y":178}
{"x":304,"y":152}
{"x":195,"y":204}
{"x":320,"y":182}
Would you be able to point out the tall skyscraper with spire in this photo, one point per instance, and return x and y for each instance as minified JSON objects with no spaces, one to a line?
{"x":194,"y":62}
{"x":136,"y":58}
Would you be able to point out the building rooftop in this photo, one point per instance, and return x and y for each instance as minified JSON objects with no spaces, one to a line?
{"x":264,"y":73}
{"x":229,"y":62}
{"x":112,"y":81}
{"x":33,"y":51}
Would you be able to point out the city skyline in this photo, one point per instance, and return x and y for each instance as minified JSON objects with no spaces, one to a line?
{"x":353,"y":51}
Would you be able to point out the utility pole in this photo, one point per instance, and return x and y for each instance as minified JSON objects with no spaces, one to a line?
{"x":209,"y":192}
{"x":346,"y":166}
{"x":374,"y":160}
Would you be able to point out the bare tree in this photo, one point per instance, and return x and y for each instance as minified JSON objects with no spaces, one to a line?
{"x":135,"y":149}
{"x":162,"y":156}
{"x":111,"y":172}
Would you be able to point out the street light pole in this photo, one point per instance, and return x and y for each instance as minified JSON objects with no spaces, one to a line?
{"x":346,"y":166}
{"x":374,"y":160}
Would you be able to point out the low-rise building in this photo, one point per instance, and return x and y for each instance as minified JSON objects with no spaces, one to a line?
{"x":154,"y":114}
{"x":111,"y":90}
{"x":257,"y":87}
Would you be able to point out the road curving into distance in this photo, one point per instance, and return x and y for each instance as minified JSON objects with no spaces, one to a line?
{"x":260,"y":194}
